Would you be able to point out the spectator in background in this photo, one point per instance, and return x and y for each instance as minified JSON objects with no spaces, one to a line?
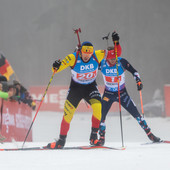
{"x":3,"y":94}
{"x":3,"y":78}
{"x":16,"y":92}
{"x":13,"y":92}
{"x":6,"y":95}
{"x":24,"y":95}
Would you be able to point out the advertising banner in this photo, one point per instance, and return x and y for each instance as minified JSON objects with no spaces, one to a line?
{"x":16,"y":120}
{"x":56,"y":96}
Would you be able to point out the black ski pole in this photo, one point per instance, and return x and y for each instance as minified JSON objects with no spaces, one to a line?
{"x":121,"y":124}
{"x":38,"y":108}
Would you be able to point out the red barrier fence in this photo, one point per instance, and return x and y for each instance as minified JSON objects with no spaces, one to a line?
{"x":56,"y":96}
{"x":16,"y":120}
{"x":167,"y":99}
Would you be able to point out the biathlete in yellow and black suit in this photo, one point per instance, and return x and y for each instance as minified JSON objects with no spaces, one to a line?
{"x":84,"y":67}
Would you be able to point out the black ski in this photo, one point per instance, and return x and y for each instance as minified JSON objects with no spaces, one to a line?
{"x":65,"y":148}
{"x":162,"y":141}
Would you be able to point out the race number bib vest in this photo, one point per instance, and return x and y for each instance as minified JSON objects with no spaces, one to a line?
{"x":110,"y":76}
{"x":85,"y":73}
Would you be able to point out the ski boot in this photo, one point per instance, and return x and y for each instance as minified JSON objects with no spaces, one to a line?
{"x":153,"y":137}
{"x":58,"y":144}
{"x":93,"y":138}
{"x":102,"y":133}
{"x":102,"y":138}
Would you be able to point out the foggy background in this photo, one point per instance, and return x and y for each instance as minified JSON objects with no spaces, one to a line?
{"x":34,"y":33}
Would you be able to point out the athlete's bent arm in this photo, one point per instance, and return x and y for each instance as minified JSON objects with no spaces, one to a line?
{"x":66,"y":62}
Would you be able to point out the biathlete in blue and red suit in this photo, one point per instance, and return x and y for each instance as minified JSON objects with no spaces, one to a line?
{"x":109,"y":72}
{"x":84,"y":67}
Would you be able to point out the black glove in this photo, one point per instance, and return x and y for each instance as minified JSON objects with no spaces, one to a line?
{"x":139,"y":84}
{"x":56,"y":64}
{"x":115,"y":37}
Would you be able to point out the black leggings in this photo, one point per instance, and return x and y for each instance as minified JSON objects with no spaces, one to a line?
{"x":78,"y":91}
{"x":110,"y":97}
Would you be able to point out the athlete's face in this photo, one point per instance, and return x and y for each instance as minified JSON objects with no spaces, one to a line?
{"x":112,"y":61}
{"x":86,"y":57}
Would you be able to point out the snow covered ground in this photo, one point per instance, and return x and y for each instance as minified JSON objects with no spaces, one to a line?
{"x":135,"y":157}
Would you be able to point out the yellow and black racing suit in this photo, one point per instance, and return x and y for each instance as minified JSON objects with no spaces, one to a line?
{"x":82,"y":86}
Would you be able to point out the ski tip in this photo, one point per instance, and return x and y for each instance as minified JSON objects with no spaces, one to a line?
{"x":160,"y":142}
{"x":165,"y":141}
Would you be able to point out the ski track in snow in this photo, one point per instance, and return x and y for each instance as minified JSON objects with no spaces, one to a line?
{"x":135,"y":157}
